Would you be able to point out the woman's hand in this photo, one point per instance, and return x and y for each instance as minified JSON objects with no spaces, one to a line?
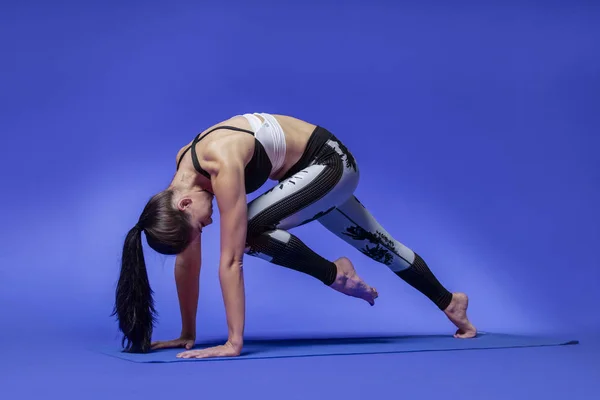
{"x":226,"y":350}
{"x":183,"y":341}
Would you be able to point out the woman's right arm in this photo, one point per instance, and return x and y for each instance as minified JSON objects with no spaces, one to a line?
{"x":187,"y":279}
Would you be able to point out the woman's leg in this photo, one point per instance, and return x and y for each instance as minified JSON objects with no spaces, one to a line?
{"x":353,"y":223}
{"x":310,"y":193}
{"x":293,"y":202}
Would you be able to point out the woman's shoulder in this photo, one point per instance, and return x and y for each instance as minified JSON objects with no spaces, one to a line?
{"x":222,"y":134}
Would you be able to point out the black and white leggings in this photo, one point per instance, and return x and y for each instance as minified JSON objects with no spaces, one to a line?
{"x":320,"y":187}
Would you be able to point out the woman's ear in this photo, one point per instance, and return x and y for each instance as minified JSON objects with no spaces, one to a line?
{"x":184,"y":203}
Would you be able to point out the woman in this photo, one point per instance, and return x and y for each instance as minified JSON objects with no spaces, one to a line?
{"x":316,"y":177}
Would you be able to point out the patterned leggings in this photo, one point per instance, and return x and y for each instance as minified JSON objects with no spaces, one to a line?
{"x":320,"y":187}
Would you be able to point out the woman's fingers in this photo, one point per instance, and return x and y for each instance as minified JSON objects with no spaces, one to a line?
{"x":167,"y":344}
{"x":158,"y":345}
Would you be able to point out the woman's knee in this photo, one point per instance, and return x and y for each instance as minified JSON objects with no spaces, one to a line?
{"x":257,"y":228}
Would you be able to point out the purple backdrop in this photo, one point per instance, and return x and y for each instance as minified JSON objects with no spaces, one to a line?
{"x":475,"y":126}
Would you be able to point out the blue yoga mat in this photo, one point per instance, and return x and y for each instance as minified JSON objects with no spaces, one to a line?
{"x":263,"y":348}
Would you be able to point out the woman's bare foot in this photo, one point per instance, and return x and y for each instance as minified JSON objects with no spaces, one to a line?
{"x":457,"y":313}
{"x":348,"y":282}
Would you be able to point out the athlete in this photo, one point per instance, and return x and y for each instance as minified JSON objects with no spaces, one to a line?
{"x":316,"y":178}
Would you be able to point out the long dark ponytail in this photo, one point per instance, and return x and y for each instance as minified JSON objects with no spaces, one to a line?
{"x":168,"y":231}
{"x":134,"y":304}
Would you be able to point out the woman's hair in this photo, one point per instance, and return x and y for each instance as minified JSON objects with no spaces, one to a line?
{"x":168,"y":231}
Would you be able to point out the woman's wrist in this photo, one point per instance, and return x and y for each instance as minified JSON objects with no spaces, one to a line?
{"x":236,"y":342}
{"x":188,"y":334}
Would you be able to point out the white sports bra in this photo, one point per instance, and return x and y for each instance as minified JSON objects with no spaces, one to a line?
{"x":270,"y":134}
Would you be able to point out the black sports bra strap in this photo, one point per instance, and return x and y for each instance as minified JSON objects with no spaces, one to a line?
{"x":231,"y":128}
{"x":198,"y":138}
{"x":181,"y":157}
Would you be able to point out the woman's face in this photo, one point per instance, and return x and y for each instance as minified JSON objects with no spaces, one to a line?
{"x":198,"y":204}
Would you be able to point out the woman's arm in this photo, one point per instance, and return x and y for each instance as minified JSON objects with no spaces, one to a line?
{"x":225,"y":161}
{"x":187,"y":279}
{"x":228,"y":187}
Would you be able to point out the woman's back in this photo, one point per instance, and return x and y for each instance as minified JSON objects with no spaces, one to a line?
{"x":296,"y":132}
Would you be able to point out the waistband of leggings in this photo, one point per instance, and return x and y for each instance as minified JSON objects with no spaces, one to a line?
{"x":315,"y":143}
